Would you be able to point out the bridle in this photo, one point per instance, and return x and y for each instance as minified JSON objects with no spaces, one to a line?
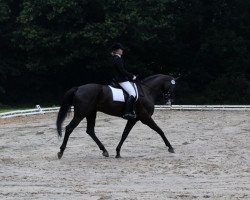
{"x":167,"y":95}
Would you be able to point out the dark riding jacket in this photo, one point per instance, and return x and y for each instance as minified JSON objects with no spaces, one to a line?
{"x":119,"y":72}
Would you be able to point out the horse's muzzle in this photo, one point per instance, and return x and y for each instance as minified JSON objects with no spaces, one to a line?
{"x":168,"y":98}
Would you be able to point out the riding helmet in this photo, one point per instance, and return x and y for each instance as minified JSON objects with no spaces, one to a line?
{"x":117,"y":46}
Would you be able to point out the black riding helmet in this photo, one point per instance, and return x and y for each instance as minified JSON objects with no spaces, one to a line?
{"x":117,"y":46}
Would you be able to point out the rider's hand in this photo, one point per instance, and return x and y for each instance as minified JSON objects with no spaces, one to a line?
{"x":134,"y":77}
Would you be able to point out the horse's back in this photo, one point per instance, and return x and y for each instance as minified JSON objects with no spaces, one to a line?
{"x":88,"y":92}
{"x":92,"y":97}
{"x":86,"y":97}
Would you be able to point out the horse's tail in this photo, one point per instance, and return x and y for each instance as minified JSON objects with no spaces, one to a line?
{"x":66,"y":104}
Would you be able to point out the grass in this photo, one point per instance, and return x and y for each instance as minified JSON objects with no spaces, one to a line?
{"x":6,"y":108}
{"x":9,"y":109}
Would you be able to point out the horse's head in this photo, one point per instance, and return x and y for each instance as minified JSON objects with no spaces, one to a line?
{"x":168,"y":91}
{"x":161,"y":84}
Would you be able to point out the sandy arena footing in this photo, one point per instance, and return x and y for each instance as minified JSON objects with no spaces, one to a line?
{"x":212,"y":158}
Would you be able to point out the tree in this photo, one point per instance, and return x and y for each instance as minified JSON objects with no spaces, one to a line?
{"x":49,"y":46}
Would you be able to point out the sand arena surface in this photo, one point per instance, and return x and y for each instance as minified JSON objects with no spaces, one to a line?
{"x":212,"y":159}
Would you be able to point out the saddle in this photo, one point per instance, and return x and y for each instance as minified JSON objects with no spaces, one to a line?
{"x":119,"y":94}
{"x":116,"y":85}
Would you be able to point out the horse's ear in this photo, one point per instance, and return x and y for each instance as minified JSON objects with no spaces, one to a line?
{"x":177,"y":78}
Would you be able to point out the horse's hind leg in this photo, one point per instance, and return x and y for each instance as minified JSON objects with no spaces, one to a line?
{"x":91,"y":131}
{"x":69,"y":128}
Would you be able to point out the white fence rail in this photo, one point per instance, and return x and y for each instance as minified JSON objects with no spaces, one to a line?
{"x":39,"y":110}
{"x":206,"y":107}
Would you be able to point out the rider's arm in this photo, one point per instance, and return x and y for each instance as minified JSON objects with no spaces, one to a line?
{"x":120,"y":67}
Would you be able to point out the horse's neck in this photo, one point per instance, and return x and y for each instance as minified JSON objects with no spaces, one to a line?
{"x":153,"y":86}
{"x":154,"y":82}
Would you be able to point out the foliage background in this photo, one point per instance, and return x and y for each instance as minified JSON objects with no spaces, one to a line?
{"x":49,"y":46}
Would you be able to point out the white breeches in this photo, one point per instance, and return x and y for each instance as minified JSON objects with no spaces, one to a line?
{"x":128,"y":87}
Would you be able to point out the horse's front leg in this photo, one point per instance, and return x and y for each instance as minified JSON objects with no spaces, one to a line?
{"x":150,"y":122}
{"x":130,"y":124}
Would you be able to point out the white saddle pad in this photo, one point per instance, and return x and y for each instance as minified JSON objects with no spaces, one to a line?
{"x":118,"y":94}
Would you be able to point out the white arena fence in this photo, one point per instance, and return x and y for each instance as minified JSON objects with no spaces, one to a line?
{"x":39,"y":110}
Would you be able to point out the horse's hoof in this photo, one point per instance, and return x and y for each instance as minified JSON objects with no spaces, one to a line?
{"x":105,"y":154}
{"x":117,"y":156}
{"x":59,"y":154}
{"x":171,"y":150}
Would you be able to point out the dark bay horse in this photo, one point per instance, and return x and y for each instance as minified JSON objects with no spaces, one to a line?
{"x":90,"y":98}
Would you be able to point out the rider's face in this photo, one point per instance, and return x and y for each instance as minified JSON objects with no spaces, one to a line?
{"x":119,"y":51}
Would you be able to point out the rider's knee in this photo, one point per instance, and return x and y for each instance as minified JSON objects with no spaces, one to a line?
{"x":133,"y":95}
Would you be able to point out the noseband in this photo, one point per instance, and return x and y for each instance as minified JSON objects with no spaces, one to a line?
{"x":168,"y":95}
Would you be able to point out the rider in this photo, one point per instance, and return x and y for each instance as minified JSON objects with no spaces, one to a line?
{"x":123,"y":78}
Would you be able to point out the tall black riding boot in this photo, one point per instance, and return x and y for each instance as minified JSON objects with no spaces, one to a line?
{"x":129,"y":109}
